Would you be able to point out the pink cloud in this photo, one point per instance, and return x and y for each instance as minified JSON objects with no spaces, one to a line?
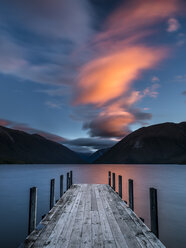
{"x":155,"y":79}
{"x":173,"y":25}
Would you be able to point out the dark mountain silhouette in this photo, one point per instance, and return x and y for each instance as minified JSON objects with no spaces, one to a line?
{"x":20,"y":147}
{"x":97,"y":154}
{"x":162,"y":143}
{"x":84,"y":155}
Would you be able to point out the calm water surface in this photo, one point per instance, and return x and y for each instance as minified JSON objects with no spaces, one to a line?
{"x":170,"y":180}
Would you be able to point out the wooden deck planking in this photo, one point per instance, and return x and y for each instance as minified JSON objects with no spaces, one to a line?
{"x":79,"y":220}
{"x":131,"y":230}
{"x":91,"y":215}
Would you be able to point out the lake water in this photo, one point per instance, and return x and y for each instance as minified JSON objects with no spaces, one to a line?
{"x":170,"y":181}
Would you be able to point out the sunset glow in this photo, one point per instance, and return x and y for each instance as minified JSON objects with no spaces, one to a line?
{"x":98,"y":75}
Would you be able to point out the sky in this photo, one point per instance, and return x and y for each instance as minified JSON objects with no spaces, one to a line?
{"x":86,"y":73}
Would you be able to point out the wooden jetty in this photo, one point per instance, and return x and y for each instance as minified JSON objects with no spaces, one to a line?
{"x":91,"y":215}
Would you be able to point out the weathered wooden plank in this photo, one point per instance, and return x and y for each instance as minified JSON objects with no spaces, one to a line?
{"x":132,"y":227}
{"x":38,"y":237}
{"x":75,"y":240}
{"x":97,"y":234}
{"x":94,"y":206}
{"x":107,"y":233}
{"x":146,"y":231}
{"x":144,"y":236}
{"x":64,"y":236}
{"x":116,"y":232}
{"x":91,"y":216}
{"x":86,"y":230}
{"x":129,"y":235}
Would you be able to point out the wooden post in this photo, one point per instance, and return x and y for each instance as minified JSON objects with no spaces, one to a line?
{"x":120,"y":185}
{"x":32,"y":210}
{"x":109,"y":178}
{"x":113,"y":182}
{"x":43,"y":216}
{"x":131,"y":195}
{"x":154,"y":211}
{"x":67,"y":180}
{"x":61,"y":186}
{"x":52,"y":193}
{"x":71,"y":180}
{"x":142,"y":219}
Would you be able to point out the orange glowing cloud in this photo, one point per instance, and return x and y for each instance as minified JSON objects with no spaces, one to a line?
{"x":106,"y":81}
{"x":108,"y":77}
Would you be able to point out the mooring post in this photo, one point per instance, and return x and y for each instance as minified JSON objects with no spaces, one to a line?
{"x":67,"y":180}
{"x":71,"y":180}
{"x":131,"y":195}
{"x":142,"y":219}
{"x":120,"y":185}
{"x":32,"y":209}
{"x":154,"y":211}
{"x":113,"y":182}
{"x":61,"y":185}
{"x":52,"y":193}
{"x":109,"y":178}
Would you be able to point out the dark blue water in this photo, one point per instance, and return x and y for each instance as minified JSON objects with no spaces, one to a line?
{"x":170,"y":180}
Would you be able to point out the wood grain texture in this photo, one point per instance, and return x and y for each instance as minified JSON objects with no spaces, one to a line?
{"x":91,"y":216}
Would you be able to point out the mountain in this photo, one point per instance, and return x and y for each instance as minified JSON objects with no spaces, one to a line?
{"x":97,"y":154}
{"x":157,"y":144}
{"x":20,"y":147}
{"x":84,"y":155}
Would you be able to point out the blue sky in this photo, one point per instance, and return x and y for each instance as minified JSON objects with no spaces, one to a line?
{"x":91,"y":71}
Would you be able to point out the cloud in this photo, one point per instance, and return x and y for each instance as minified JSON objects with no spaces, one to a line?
{"x":180,"y":43}
{"x":180,"y":78}
{"x":53,"y":105}
{"x":146,"y":109}
{"x":115,"y":124}
{"x":155,"y":79}
{"x":151,"y":91}
{"x":41,"y":42}
{"x":90,"y":143}
{"x":111,"y":76}
{"x":141,"y":116}
{"x":5,"y":123}
{"x":26,"y":128}
{"x":60,"y":47}
{"x":109,"y":126}
{"x":106,"y":81}
{"x":77,"y":145}
{"x":173,"y":25}
{"x":51,"y":19}
{"x":181,"y":39}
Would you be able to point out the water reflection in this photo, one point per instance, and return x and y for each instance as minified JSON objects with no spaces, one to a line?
{"x":170,"y":180}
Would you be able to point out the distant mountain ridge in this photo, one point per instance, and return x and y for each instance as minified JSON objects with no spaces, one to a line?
{"x":93,"y":157}
{"x":20,"y":147}
{"x":162,"y":143}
